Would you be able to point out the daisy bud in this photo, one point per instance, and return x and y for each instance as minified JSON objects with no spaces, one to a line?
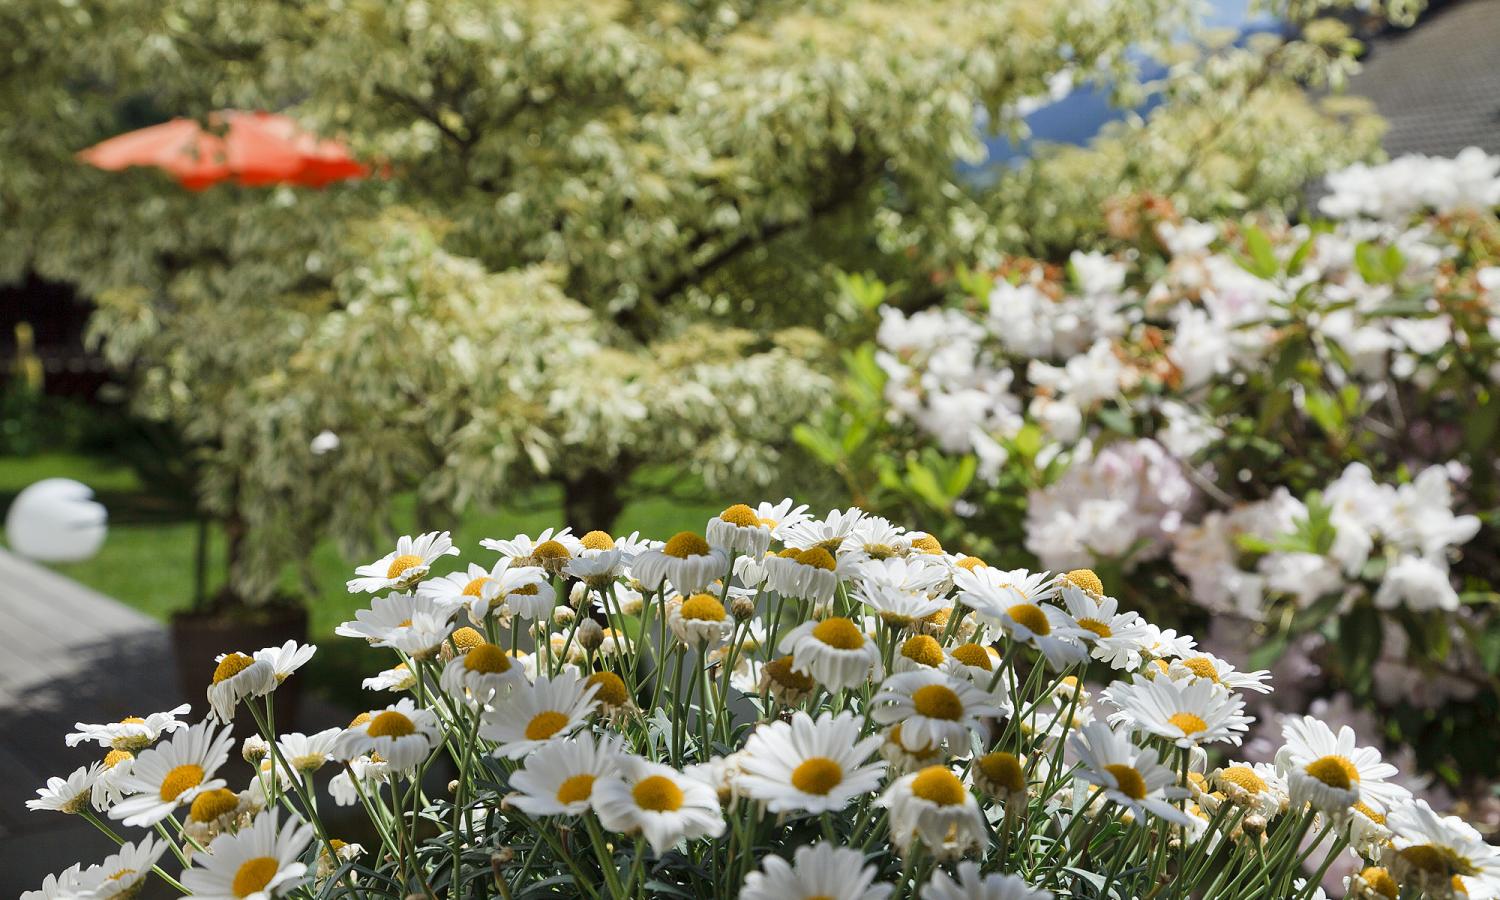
{"x":254,"y":749}
{"x":1255,"y":826}
{"x":578,"y":594}
{"x":742,"y":607}
{"x":590,"y":635}
{"x":453,"y":786}
{"x":563,"y":615}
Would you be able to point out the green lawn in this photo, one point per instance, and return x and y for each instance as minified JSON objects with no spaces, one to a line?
{"x":148,"y":564}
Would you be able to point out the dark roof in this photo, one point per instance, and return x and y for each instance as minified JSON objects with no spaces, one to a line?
{"x":1438,"y":83}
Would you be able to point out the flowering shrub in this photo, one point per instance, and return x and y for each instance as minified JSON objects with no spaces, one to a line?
{"x":779,"y":707}
{"x":1289,"y":425}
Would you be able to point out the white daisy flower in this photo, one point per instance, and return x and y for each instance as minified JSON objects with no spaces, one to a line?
{"x":116,"y":766}
{"x":1166,"y":643}
{"x":401,"y":621}
{"x":67,"y":795}
{"x":1257,"y":787}
{"x":700,"y":621}
{"x":618,"y":599}
{"x":898,"y":608}
{"x":687,"y":561}
{"x":481,"y":673}
{"x":531,"y":717}
{"x":561,"y":781}
{"x":256,"y":863}
{"x":551,"y":550}
{"x":306,"y":753}
{"x":287,"y":658}
{"x":399,"y":677}
{"x":658,"y":802}
{"x":828,"y":533}
{"x":780,"y":517}
{"x":1114,"y":637}
{"x":597,"y":568}
{"x":1367,"y":831}
{"x":933,"y":708}
{"x":364,"y":769}
{"x":805,"y":764}
{"x":238,"y":677}
{"x":750,"y":571}
{"x":172,"y":773}
{"x":402,"y":735}
{"x":971,"y":885}
{"x":130,"y":733}
{"x":1009,"y":600}
{"x":933,"y":805}
{"x":1133,"y":777}
{"x":62,"y":886}
{"x":405,"y":566}
{"x":718,"y":773}
{"x":423,"y":636}
{"x":1188,"y":713}
{"x":919,"y":652}
{"x":810,"y":574}
{"x":1429,"y":852}
{"x":820,"y":871}
{"x":739,"y":530}
{"x":835,"y":652}
{"x":122,"y":872}
{"x":874,"y":538}
{"x":1330,"y":772}
{"x":1211,"y":668}
{"x":213,"y":812}
{"x":915,"y":574}
{"x":345,"y":853}
{"x":457,"y":589}
{"x":977,"y":662}
{"x":524,"y":591}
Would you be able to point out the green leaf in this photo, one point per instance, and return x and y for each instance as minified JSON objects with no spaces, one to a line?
{"x":1113,"y":418}
{"x":1262,"y":257}
{"x":1326,"y":411}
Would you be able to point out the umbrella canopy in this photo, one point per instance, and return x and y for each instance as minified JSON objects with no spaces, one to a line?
{"x":251,"y":148}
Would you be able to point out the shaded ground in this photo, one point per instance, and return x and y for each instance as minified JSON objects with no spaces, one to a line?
{"x":1438,"y":83}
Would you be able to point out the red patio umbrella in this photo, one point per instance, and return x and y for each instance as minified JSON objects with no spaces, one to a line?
{"x":251,"y":148}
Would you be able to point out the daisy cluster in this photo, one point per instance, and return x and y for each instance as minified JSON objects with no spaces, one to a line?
{"x":778,"y":706}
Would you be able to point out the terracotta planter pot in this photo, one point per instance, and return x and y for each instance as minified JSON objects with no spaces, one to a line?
{"x":198,"y":638}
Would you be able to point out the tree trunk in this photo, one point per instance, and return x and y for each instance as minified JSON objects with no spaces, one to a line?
{"x":592,"y":500}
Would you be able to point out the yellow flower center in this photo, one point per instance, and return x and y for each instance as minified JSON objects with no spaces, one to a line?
{"x":1030,"y":617}
{"x":475,"y":588}
{"x":923,"y":649}
{"x":880,"y":551}
{"x":1127,"y":780}
{"x":180,"y":779}
{"x":550,"y":550}
{"x":1086,"y":581}
{"x":1334,"y":771}
{"x":741,"y":515}
{"x":818,"y":558}
{"x":611,"y":688}
{"x":817,"y":775}
{"x":1435,"y":860}
{"x":1244,"y":778}
{"x":657,"y":793}
{"x":360,"y":719}
{"x":391,"y":724}
{"x":466,"y":639}
{"x":1004,"y":770}
{"x":973,"y":655}
{"x":575,"y":789}
{"x":253,"y":875}
{"x":1189,"y":723}
{"x":972,"y":563}
{"x":702,"y":607}
{"x":780,"y":671}
{"x":1202,"y":667}
{"x":1368,"y":813}
{"x":132,"y":720}
{"x":1097,"y":627}
{"x":526,"y":590}
{"x":210,"y":805}
{"x":1380,"y":881}
{"x":487,"y":659}
{"x":545,"y":724}
{"x":597,"y":540}
{"x":938,"y":785}
{"x":684,"y":544}
{"x":401,"y":563}
{"x":935,"y":701}
{"x":927,"y":544}
{"x":231,"y":665}
{"x":115,"y":757}
{"x":840,"y":633}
